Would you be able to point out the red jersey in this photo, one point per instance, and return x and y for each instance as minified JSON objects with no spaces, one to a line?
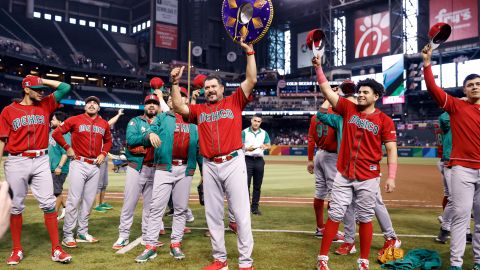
{"x":438,"y":139}
{"x":90,"y":137}
{"x":220,"y":124}
{"x":181,"y":138}
{"x":464,"y":121}
{"x":362,"y":138}
{"x":150,"y":151}
{"x":26,"y":127}
{"x":321,"y":135}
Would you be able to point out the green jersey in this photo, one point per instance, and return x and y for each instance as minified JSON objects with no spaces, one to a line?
{"x":55,"y":152}
{"x":444,"y":123}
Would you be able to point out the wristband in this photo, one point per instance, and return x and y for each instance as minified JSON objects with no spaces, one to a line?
{"x":250,"y":53}
{"x":392,"y":170}
{"x":320,"y":75}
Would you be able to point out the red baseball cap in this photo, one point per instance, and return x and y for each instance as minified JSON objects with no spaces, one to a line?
{"x":199,"y":81}
{"x":184,"y":91}
{"x":439,"y":32}
{"x":156,"y":82}
{"x":348,"y":87}
{"x":151,"y":97}
{"x":33,"y":82}
{"x":314,"y":37}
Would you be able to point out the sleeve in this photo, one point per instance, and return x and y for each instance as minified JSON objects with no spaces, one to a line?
{"x":64,"y":128}
{"x":5,"y":126}
{"x":68,"y":139}
{"x":239,"y":98}
{"x":134,"y":136}
{"x":443,"y":100}
{"x":107,"y":140}
{"x":164,"y":106}
{"x":389,"y":134}
{"x":199,"y":161}
{"x":332,"y":120}
{"x":267,"y":138}
{"x":49,"y":103}
{"x":62,"y":90}
{"x":243,"y":136}
{"x":194,"y":111}
{"x":312,"y":131}
{"x":154,"y":128}
{"x":444,"y":122}
{"x":344,"y":107}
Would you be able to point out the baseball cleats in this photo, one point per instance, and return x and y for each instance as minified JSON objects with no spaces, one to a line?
{"x":257,"y":212}
{"x":339,"y":237}
{"x":233,"y":227}
{"x":58,"y":255}
{"x":169,"y":213}
{"x":246,"y":268}
{"x":319,"y":232}
{"x":207,"y":234}
{"x":15,"y":257}
{"x":217,"y":265}
{"x":162,"y":232}
{"x":187,"y":230}
{"x":176,"y":251}
{"x":362,"y":264}
{"x":62,"y":214}
{"x":440,"y":219}
{"x":69,"y":243}
{"x":106,"y":206}
{"x":189,"y":216}
{"x":389,"y":242}
{"x":442,"y":236}
{"x":149,"y":253}
{"x":158,"y":244}
{"x":86,"y":238}
{"x":99,"y":209}
{"x":322,"y":262}
{"x":345,"y":249}
{"x":476,"y":267}
{"x":121,"y":243}
{"x":469,"y":238}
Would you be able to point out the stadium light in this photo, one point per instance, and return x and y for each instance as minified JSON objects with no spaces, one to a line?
{"x":82,"y":22}
{"x":105,"y":26}
{"x":148,"y":23}
{"x":47,"y":16}
{"x":72,"y":21}
{"x":134,"y":29}
{"x":144,"y":25}
{"x":91,"y":24}
{"x":58,"y":18}
{"x":53,"y":75}
{"x":114,"y":28}
{"x":37,"y":14}
{"x":123,"y":30}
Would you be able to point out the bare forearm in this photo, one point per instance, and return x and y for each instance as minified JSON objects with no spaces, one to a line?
{"x":251,"y":76}
{"x":113,"y":120}
{"x":51,"y":83}
{"x":178,"y":106}
{"x":63,"y":159}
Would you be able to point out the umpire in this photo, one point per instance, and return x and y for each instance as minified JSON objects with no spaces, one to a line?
{"x":255,"y":141}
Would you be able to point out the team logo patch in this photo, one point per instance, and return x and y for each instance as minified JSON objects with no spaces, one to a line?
{"x":132,"y":123}
{"x":373,"y":167}
{"x":143,"y":129}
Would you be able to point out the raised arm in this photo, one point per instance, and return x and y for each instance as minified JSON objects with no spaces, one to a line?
{"x":251,"y":73}
{"x":114,"y":119}
{"x":61,"y":88}
{"x":178,"y":105}
{"x":327,"y":91}
{"x":438,"y":94}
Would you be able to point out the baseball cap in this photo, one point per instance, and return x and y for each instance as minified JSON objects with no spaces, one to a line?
{"x":183,"y":91}
{"x":199,"y":81}
{"x":92,"y":98}
{"x":156,"y":82}
{"x":150,"y":98}
{"x":348,"y":87}
{"x":33,"y":82}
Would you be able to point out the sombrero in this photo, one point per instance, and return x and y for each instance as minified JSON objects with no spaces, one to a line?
{"x":247,"y":18}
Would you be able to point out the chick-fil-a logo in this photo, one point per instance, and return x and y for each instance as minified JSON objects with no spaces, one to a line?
{"x":372,"y":35}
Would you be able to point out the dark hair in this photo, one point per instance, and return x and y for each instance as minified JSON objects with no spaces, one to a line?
{"x":470,"y":77}
{"x":61,"y":116}
{"x":214,"y":77}
{"x":376,"y":86}
{"x":257,"y":115}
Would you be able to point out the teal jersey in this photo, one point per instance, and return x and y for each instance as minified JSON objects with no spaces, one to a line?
{"x":335,"y":121}
{"x":444,"y":123}
{"x":55,"y":152}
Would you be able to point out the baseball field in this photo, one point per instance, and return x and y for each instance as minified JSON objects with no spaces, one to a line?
{"x":283,"y":234}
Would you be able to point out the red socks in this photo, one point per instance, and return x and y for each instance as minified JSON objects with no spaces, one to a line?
{"x":318,"y":207}
{"x":329,"y":233}
{"x":366,"y":235}
{"x":16,"y":222}
{"x":52,"y":227}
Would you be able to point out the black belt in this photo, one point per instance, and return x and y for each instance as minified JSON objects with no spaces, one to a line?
{"x":254,"y":157}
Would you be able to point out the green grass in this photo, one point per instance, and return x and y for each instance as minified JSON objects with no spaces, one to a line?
{"x":271,"y":251}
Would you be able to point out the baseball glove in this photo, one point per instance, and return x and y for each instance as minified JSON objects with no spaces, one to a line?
{"x":391,"y":254}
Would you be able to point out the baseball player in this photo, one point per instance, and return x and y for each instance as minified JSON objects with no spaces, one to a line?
{"x":91,"y":141}
{"x":219,"y":122}
{"x":24,"y":130}
{"x":464,"y":159}
{"x":59,"y":162}
{"x":101,"y":205}
{"x":381,"y":212}
{"x":175,"y":159}
{"x":440,"y":164}
{"x":324,"y":168}
{"x":140,"y":171}
{"x":365,"y":129}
